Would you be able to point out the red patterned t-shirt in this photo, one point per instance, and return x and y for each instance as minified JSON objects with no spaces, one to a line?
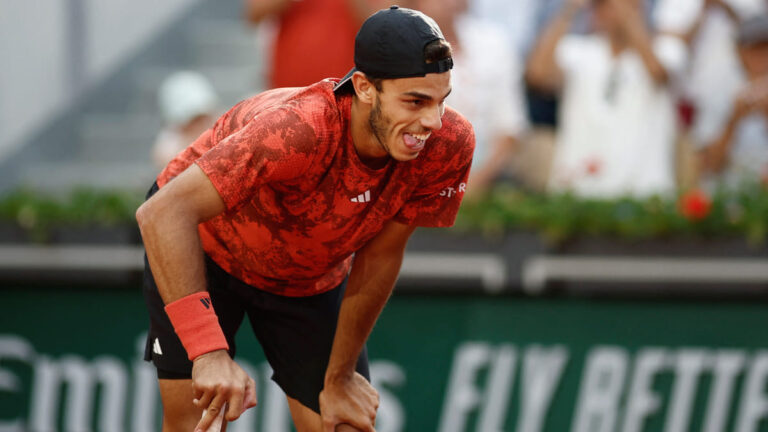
{"x":299,"y":201}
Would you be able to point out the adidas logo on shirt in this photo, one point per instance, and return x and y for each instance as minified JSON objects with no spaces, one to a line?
{"x":363,"y":197}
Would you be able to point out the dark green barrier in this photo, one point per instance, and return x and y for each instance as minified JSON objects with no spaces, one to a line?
{"x":70,"y":360}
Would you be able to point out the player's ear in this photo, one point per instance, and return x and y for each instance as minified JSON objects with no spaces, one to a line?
{"x":364,"y":89}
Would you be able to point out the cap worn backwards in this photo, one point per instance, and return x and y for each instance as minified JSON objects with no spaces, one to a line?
{"x":390,"y":44}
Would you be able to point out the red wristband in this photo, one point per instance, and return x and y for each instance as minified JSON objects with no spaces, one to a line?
{"x":196,"y":324}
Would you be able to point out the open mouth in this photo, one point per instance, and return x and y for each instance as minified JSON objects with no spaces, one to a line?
{"x":415,"y":142}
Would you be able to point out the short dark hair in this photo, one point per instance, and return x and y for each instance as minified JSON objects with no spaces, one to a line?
{"x":438,"y":49}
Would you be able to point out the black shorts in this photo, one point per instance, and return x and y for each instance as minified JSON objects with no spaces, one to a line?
{"x":296,"y":333}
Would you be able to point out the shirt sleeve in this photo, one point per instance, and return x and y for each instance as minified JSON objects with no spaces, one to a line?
{"x":436,"y":200}
{"x":276,"y":145}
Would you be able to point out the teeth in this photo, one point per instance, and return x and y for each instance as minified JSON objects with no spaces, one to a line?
{"x":422,"y":137}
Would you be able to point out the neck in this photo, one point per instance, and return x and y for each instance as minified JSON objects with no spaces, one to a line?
{"x":366,"y":145}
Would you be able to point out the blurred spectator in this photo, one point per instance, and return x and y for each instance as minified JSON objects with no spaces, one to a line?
{"x":314,"y":38}
{"x":710,"y":27}
{"x":740,"y":150}
{"x":617,"y":125}
{"x":522,"y":20}
{"x":486,"y":83}
{"x":189,"y":106}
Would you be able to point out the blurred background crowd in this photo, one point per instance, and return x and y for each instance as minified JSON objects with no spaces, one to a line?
{"x":642,"y":97}
{"x":597,"y":98}
{"x":602,"y":98}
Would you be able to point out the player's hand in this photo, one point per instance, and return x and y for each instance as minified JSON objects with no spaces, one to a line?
{"x":218,"y":380}
{"x":351,"y":401}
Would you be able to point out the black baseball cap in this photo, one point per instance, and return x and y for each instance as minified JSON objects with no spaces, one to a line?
{"x":390,"y":44}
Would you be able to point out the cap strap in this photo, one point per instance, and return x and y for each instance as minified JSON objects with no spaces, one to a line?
{"x":439,"y":66}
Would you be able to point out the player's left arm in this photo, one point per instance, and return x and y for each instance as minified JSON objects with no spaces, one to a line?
{"x":347,"y":397}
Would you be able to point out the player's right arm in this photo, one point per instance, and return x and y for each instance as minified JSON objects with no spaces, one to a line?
{"x":168,"y":222}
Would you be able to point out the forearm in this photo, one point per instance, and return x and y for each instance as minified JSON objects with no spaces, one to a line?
{"x":168,"y":222}
{"x":175,"y":254}
{"x":370,"y":284}
{"x":542,"y":70}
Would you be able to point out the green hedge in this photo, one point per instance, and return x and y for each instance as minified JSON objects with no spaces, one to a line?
{"x":563,"y":217}
{"x":557,"y":217}
{"x":37,"y":212}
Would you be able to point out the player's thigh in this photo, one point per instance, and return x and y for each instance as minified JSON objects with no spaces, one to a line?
{"x":304,"y":418}
{"x":179,"y":413}
{"x":296,"y":335}
{"x":307,"y":420}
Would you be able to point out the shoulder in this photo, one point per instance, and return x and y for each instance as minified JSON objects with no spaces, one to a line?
{"x":309,"y":113}
{"x":456,"y":138}
{"x":292,"y":120}
{"x":319,"y":105}
{"x":316,"y":107}
{"x":304,"y":101}
{"x":455,"y":125}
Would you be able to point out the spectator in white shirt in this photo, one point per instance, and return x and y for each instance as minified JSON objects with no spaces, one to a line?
{"x":710,"y":28}
{"x":617,"y":125}
{"x":739,"y":152}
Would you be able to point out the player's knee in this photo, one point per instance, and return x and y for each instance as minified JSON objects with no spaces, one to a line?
{"x":179,"y":413}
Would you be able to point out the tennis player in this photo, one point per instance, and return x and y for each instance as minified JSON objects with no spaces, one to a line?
{"x":294,"y":209}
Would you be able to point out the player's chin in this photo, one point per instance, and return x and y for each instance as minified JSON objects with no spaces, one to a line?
{"x":406,"y":155}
